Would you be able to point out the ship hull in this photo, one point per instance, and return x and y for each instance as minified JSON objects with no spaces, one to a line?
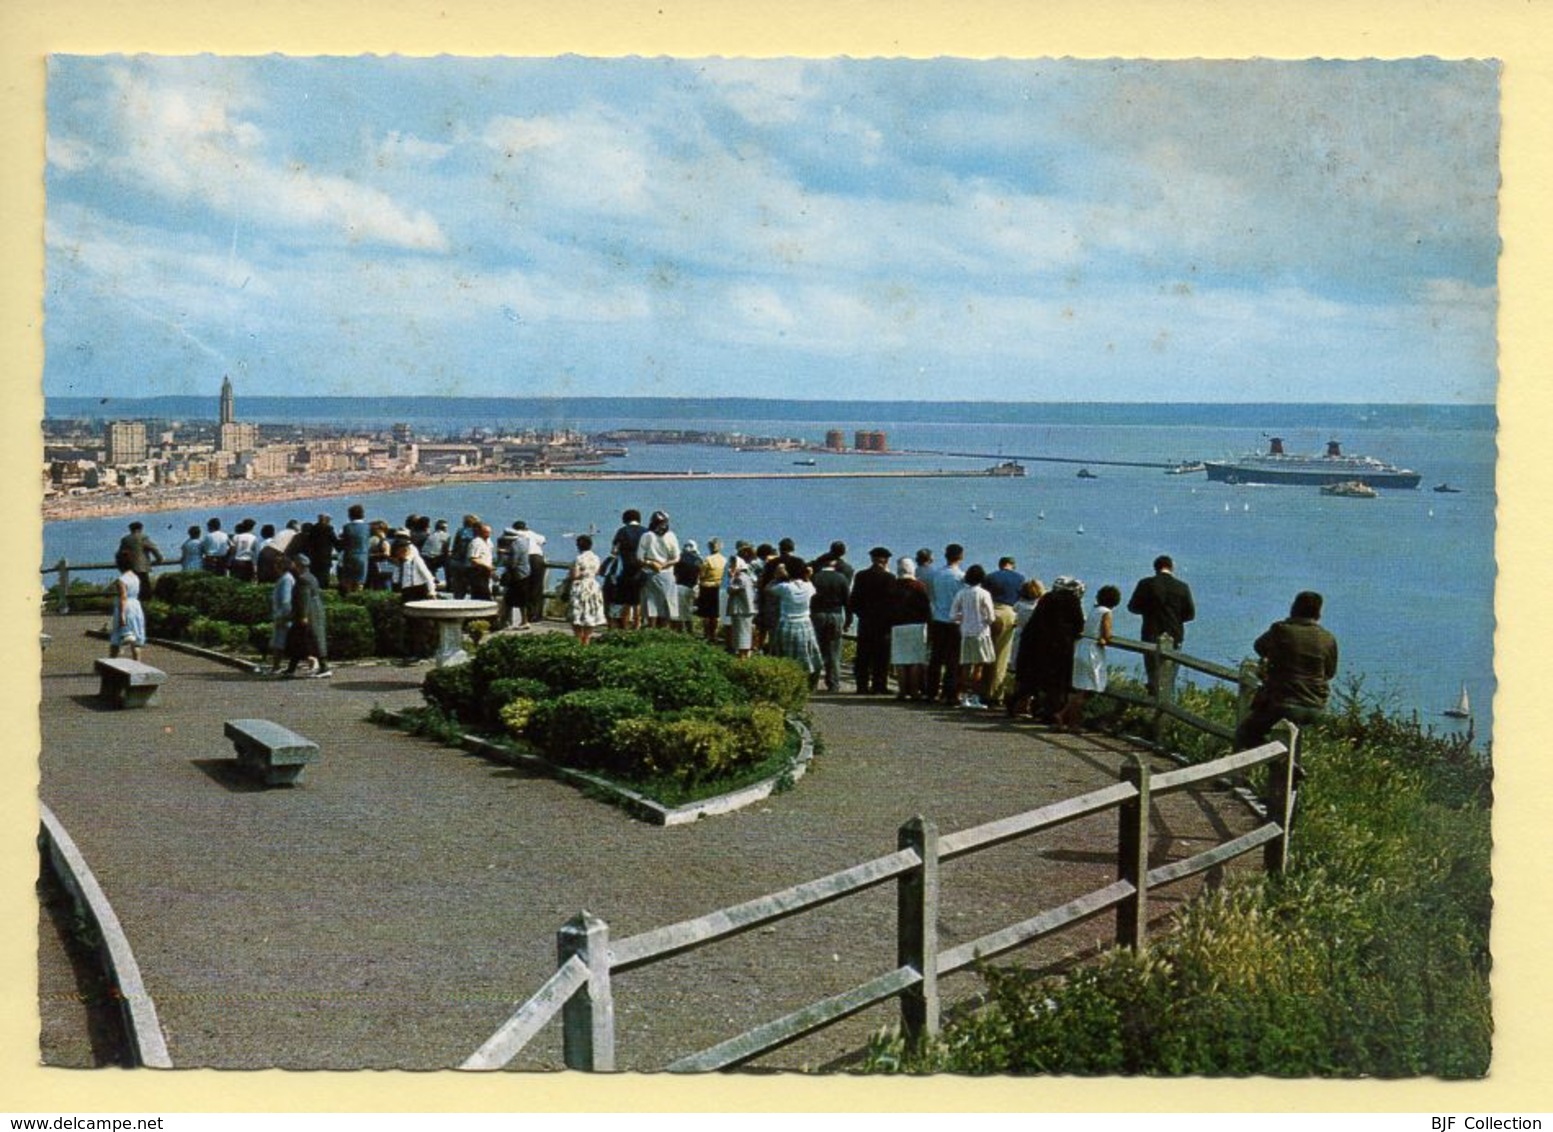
{"x":1310,"y":476}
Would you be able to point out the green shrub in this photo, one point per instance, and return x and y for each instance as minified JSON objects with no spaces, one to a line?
{"x":386,"y":611}
{"x":450,"y":689}
{"x":170,"y":622}
{"x":349,"y":631}
{"x":672,"y":677}
{"x":772,"y":680}
{"x":85,"y":597}
{"x":650,"y":638}
{"x":217,"y":597}
{"x":687,"y":750}
{"x":516,"y":715}
{"x":502,"y":692}
{"x":577,"y":729}
{"x":757,"y":730}
{"x":555,"y":659}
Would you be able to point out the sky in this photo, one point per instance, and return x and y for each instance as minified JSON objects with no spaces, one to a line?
{"x":1028,"y":230}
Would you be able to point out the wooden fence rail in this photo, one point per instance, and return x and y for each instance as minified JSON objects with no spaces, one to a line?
{"x":581,"y":989}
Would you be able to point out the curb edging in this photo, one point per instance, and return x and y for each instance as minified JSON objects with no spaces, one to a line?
{"x":640,"y":805}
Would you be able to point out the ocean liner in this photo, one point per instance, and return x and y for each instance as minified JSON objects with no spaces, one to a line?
{"x":1277,"y":466}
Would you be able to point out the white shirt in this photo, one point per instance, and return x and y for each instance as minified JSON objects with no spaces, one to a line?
{"x":413,"y":571}
{"x":658,"y":550}
{"x":973,"y":610}
{"x":480,"y":552}
{"x":215,"y":544}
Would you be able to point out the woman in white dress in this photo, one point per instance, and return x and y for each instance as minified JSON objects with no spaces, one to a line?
{"x":910,"y":611}
{"x":128,"y":629}
{"x":741,"y":605}
{"x":973,"y":612}
{"x":1089,"y":673}
{"x":584,"y":594}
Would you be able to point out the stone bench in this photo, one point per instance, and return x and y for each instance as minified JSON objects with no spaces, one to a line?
{"x":274,"y":753}
{"x":129,"y":683}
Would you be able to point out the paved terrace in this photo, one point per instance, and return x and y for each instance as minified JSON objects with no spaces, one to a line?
{"x":395,"y":907}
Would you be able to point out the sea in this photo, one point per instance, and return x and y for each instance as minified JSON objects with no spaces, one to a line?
{"x":1408,"y":577}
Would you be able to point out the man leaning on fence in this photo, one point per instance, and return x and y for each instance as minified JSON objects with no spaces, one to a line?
{"x":1299,"y":659}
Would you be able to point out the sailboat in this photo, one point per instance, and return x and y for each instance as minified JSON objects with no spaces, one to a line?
{"x":1463,"y":708}
{"x":988,"y":515}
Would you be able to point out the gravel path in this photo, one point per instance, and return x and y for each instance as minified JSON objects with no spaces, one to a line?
{"x":394,"y":908}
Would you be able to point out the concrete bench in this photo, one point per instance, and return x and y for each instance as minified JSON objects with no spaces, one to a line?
{"x":129,"y":683}
{"x":274,"y":753}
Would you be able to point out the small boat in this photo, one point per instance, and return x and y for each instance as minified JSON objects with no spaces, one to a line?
{"x":1463,"y":708}
{"x":1080,"y":528}
{"x":805,"y":463}
{"x":1186,"y":468}
{"x":1041,"y":516}
{"x":1086,"y":474}
{"x":1350,"y":489}
{"x":988,"y":515}
{"x":1447,"y":489}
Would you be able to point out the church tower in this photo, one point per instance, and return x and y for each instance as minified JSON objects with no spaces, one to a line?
{"x":232,"y":436}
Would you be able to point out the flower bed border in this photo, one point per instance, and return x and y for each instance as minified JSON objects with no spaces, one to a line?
{"x":632,"y":801}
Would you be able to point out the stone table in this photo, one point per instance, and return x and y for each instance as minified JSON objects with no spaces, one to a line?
{"x":449,"y":616}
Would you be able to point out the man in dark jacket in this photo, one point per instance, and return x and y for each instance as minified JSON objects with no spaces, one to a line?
{"x":870,"y":604}
{"x":142,"y":553}
{"x":1299,"y":659}
{"x":322,"y":542}
{"x":828,"y":613}
{"x":1165,"y":604}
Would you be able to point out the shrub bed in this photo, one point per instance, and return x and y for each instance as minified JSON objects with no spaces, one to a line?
{"x":234,"y":616}
{"x":641,"y":707}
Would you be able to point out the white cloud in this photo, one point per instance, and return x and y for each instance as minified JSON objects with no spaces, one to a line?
{"x":763,"y":92}
{"x":184,"y":143}
{"x":592,"y":160}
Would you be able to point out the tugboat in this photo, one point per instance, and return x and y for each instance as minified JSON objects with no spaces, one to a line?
{"x":1276,"y":466}
{"x":1350,"y":489}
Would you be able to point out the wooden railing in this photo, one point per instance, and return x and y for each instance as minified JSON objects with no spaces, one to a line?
{"x":581,"y":990}
{"x":1162,"y":699}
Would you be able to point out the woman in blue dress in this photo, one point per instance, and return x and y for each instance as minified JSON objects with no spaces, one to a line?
{"x":795,"y":638}
{"x":128,"y":629}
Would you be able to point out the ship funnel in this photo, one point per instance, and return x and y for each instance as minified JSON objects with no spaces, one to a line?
{"x":1275,"y":446}
{"x":1334,"y":449}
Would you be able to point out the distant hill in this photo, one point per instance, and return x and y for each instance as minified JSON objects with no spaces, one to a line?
{"x":585,"y":412}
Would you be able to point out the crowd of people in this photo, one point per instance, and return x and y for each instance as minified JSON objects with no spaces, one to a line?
{"x":945,"y":632}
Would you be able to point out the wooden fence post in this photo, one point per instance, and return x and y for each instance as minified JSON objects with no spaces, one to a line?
{"x":1250,"y":680}
{"x":1132,"y":855}
{"x":1280,"y":796}
{"x":588,"y":1018}
{"x":62,"y":572}
{"x":916,"y":901}
{"x":1164,"y":683}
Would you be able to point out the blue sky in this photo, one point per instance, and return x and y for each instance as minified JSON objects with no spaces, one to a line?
{"x":938,"y":229}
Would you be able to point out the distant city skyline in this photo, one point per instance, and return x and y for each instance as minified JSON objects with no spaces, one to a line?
{"x":1045,"y":230}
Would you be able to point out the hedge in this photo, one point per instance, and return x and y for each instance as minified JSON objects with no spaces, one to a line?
{"x":637,"y":705}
